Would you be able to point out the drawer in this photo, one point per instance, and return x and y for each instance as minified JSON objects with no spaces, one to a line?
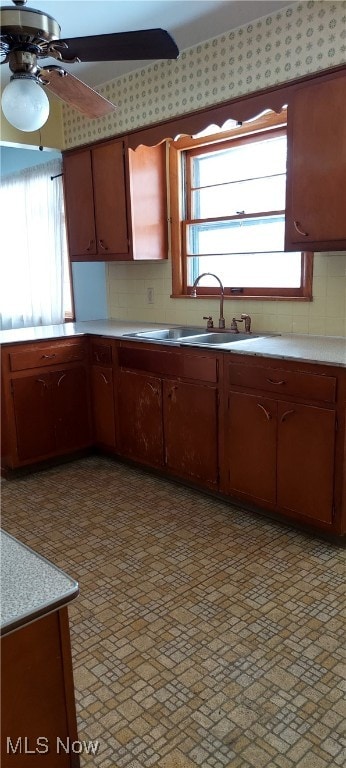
{"x":101,"y":354}
{"x":40,"y":356}
{"x":178,"y":364}
{"x":280,"y":382}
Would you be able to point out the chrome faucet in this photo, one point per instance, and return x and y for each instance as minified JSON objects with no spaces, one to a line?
{"x":194,"y":293}
{"x":247,"y":323}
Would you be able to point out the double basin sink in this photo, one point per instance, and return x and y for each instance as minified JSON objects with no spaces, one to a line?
{"x":192,"y":336}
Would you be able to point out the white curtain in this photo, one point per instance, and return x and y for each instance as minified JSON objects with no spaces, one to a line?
{"x":32,"y":247}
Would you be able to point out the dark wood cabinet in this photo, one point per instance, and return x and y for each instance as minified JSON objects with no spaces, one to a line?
{"x":38,"y":710}
{"x":190,"y":414}
{"x":316,"y":166}
{"x":116,"y":202}
{"x":140,"y":417}
{"x":281,"y":453}
{"x":168,"y":411}
{"x":47,"y":404}
{"x":102,"y":394}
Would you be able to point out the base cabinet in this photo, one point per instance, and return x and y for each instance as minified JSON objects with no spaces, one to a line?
{"x":38,"y":712}
{"x":102,"y":394}
{"x":168,"y":411}
{"x":140,"y":417}
{"x":45,"y":391}
{"x":281,"y":452}
{"x":286,"y":442}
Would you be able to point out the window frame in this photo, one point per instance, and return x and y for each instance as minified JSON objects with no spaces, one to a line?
{"x":270,"y":124}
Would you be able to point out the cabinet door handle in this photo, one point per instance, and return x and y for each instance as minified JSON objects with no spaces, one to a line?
{"x":272,"y":381}
{"x":104,"y":378}
{"x":89,"y":247}
{"x":154,"y":389}
{"x":268,"y":415}
{"x":103,"y":246}
{"x":300,"y":231}
{"x":284,"y":415}
{"x":42,"y":381}
{"x":61,"y":378}
{"x":170,"y":393}
{"x":48,"y":357}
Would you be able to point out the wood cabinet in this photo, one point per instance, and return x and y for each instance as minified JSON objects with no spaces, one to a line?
{"x":168,"y":410}
{"x":316,"y":166}
{"x":281,"y":451}
{"x":102,"y":393}
{"x":116,"y":202}
{"x":38,"y":712}
{"x":46,"y":399}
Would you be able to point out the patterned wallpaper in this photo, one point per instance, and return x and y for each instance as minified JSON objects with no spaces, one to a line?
{"x":302,"y":38}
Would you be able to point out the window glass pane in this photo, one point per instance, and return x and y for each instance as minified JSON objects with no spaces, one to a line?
{"x":245,"y":236}
{"x":245,"y":161}
{"x":265,"y":270}
{"x":267,"y":194}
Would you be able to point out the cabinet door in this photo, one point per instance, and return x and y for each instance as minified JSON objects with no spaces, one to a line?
{"x":71,"y":408}
{"x":140,"y":417}
{"x":103,"y":405}
{"x":191,"y":432}
{"x":32,"y":397}
{"x":110,"y":199}
{"x":305,"y":460}
{"x":316,"y":167}
{"x":79,"y":203}
{"x":251,"y":446}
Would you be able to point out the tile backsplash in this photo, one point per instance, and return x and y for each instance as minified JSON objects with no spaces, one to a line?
{"x":127,"y":286}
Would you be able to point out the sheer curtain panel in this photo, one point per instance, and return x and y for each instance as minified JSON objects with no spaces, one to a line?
{"x":33,"y":250}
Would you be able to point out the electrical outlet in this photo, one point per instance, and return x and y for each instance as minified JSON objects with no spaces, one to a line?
{"x":150,"y":295}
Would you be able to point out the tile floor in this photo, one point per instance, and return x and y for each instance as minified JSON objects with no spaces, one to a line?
{"x":203,"y":636}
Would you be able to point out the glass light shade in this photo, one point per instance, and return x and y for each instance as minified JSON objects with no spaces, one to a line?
{"x":25,"y":104}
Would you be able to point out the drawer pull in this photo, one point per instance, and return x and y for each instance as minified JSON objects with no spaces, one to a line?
{"x":104,"y":378}
{"x":272,"y":381}
{"x":300,"y":231}
{"x":284,"y":415}
{"x":48,"y":357}
{"x":268,"y":415}
{"x":61,"y":378}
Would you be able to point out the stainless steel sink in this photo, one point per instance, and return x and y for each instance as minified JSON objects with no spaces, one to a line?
{"x":214,"y":339}
{"x":168,"y":334}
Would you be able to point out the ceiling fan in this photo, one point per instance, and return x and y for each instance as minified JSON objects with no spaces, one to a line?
{"x":27,"y":35}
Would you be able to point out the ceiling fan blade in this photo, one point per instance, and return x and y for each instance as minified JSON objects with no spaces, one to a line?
{"x":120,"y":46}
{"x":76,"y":93}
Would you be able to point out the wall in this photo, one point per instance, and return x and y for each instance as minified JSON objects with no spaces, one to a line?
{"x":303,"y":38}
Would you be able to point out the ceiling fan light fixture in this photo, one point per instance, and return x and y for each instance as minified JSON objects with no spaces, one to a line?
{"x":24,"y":103}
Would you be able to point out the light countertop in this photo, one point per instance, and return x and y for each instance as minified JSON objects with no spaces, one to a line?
{"x":330,"y":350}
{"x":31,"y":586}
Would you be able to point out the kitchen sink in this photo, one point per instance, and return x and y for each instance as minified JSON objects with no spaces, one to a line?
{"x":168,"y":334}
{"x":214,"y":339}
{"x":188,"y":335}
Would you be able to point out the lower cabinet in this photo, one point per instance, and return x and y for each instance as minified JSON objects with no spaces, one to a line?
{"x":102,"y":394}
{"x":169,"y":421}
{"x":45,"y":391}
{"x":282,"y":452}
{"x":286,"y":442}
{"x":140,"y":417}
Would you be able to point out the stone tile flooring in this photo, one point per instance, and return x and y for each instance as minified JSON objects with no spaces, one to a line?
{"x":203,"y":636}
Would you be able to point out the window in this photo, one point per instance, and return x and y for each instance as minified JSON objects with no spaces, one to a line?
{"x":35,"y":286}
{"x":228,"y":209}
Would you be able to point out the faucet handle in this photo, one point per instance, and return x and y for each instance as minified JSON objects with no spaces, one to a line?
{"x":247,"y":322}
{"x":210,"y":323}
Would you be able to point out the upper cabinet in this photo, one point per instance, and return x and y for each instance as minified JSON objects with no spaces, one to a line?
{"x":316,"y":166}
{"x":116,"y":202}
